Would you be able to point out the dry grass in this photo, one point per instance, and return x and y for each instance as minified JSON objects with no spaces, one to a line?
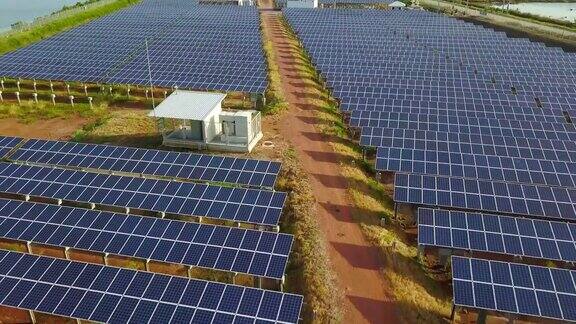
{"x":418,"y":294}
{"x":122,"y":127}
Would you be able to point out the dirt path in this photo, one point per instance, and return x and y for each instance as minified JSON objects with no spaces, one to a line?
{"x":57,"y":128}
{"x":356,"y":262}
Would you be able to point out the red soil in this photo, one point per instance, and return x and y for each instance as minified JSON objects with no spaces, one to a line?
{"x":355,"y":261}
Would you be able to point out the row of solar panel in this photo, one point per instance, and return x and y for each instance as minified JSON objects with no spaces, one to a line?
{"x":495,"y":140}
{"x":196,"y":245}
{"x":112,"y":295}
{"x":514,"y":288}
{"x":371,"y":118}
{"x":471,"y":231}
{"x":233,"y":204}
{"x":484,"y":195}
{"x":485,"y":167}
{"x":255,"y":173}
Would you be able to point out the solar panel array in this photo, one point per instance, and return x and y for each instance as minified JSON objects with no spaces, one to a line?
{"x":189,"y":46}
{"x":474,"y":124}
{"x":254,"y":173}
{"x":106,"y":294}
{"x":112,"y":295}
{"x":192,"y":199}
{"x":514,"y":288}
{"x":257,"y":253}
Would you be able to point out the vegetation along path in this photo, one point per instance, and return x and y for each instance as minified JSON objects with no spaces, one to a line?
{"x":356,"y":262}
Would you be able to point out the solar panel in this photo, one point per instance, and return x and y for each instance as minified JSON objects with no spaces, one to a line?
{"x":553,"y":131}
{"x":517,"y":236}
{"x":173,"y":197}
{"x":514,"y":288}
{"x":107,"y":294}
{"x":255,"y":173}
{"x":489,"y":196}
{"x":477,"y":166}
{"x":7,"y":144}
{"x":257,"y":253}
{"x":510,"y":146}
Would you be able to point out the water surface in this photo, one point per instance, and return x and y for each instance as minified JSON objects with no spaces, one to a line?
{"x":12,"y":11}
{"x":562,"y":11}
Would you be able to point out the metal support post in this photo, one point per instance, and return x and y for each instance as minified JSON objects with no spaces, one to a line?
{"x":32,"y":316}
{"x":482,"y":315}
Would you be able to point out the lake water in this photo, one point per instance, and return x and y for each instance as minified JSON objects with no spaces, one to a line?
{"x":563,"y":11}
{"x":12,"y":11}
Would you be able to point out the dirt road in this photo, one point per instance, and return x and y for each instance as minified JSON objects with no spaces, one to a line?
{"x":356,"y":262}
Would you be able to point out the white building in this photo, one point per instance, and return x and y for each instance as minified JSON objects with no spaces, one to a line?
{"x":302,"y":4}
{"x":397,"y":5}
{"x":196,"y":120}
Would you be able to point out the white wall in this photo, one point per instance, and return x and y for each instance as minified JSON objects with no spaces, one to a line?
{"x":212,"y":126}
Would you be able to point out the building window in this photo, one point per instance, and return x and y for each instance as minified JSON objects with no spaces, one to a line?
{"x":229,"y":128}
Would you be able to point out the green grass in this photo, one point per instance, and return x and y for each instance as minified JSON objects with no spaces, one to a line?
{"x":29,"y":111}
{"x":121,"y":127}
{"x":19,"y":39}
{"x":275,"y":101}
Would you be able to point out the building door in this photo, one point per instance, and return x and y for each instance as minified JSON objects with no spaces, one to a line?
{"x":196,"y":130}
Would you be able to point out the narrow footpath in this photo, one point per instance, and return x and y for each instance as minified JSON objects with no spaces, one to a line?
{"x":355,"y":261}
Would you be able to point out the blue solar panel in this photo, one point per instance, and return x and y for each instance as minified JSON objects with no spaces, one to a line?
{"x":539,"y":239}
{"x":7,"y":144}
{"x":550,"y":131}
{"x":107,"y":294}
{"x":477,"y":166}
{"x":182,"y":198}
{"x":514,"y":288}
{"x":238,"y":250}
{"x":505,"y":146}
{"x":255,"y":173}
{"x":489,"y":196}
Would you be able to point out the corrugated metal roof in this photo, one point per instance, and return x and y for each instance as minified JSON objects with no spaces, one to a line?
{"x":190,"y":105}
